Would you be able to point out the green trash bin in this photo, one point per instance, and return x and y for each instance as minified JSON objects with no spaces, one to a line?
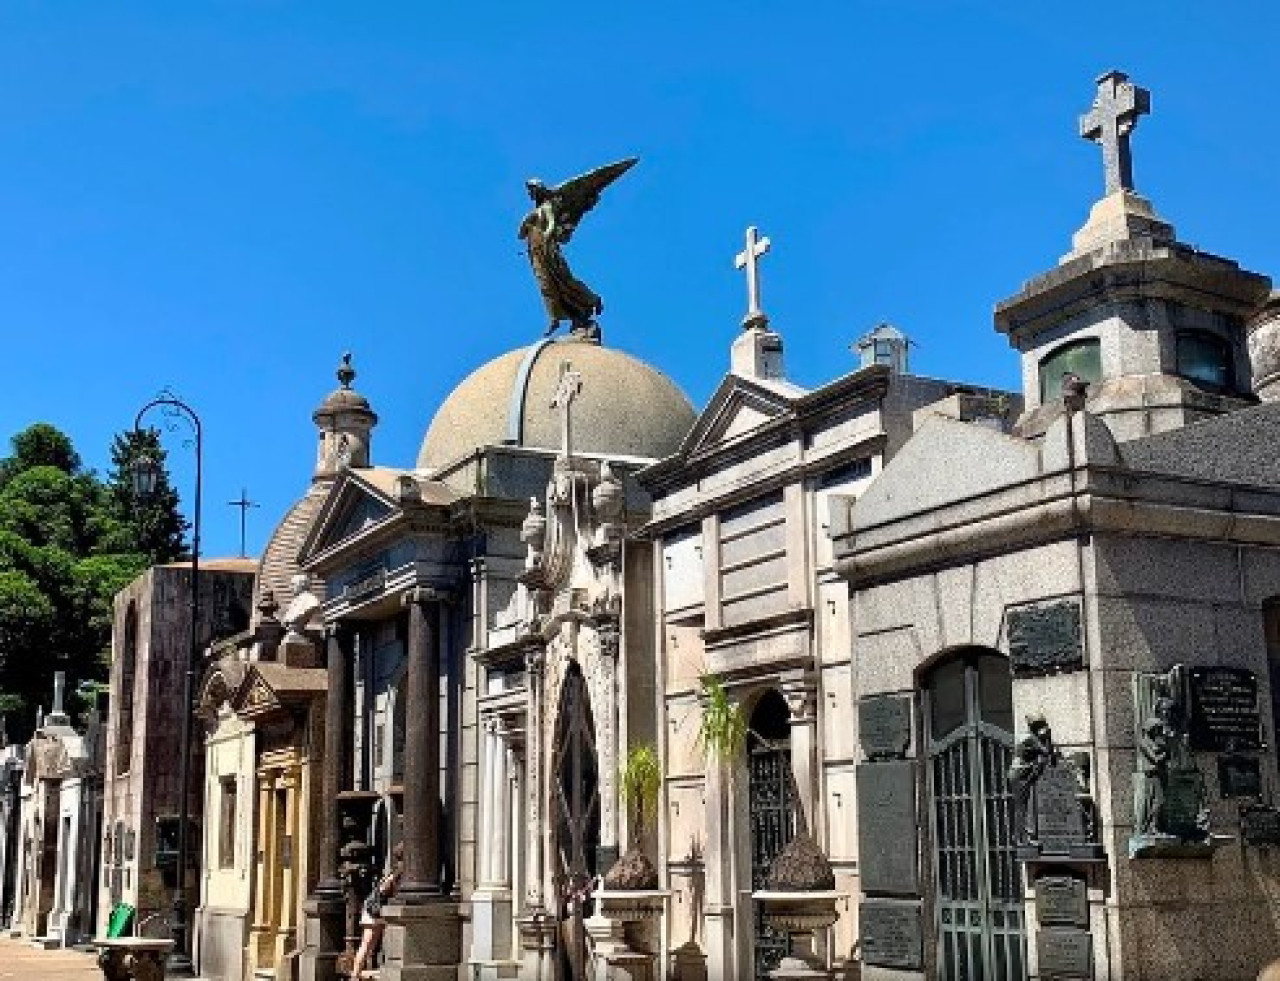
{"x":120,"y":921}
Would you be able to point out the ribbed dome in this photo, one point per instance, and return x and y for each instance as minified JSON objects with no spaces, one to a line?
{"x":625,"y":407}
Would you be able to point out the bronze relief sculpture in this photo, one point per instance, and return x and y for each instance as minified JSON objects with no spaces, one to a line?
{"x":548,"y":227}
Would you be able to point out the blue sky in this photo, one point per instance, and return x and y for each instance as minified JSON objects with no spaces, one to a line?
{"x":223,"y":197}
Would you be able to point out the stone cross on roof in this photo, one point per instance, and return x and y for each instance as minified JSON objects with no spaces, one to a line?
{"x":569,"y":388}
{"x":749,"y":259}
{"x":1115,"y":112}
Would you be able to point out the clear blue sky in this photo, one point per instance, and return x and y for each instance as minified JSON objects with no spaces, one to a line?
{"x":222,"y":197}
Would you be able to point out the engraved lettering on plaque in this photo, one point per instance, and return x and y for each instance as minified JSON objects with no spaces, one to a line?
{"x":1044,"y":639}
{"x":884,"y":726}
{"x":1065,"y":954}
{"x":1224,"y":710}
{"x":1059,"y":818}
{"x":891,"y":934}
{"x":1061,"y":900}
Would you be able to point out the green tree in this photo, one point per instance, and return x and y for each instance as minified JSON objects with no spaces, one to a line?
{"x":154,"y":526}
{"x":68,"y":543}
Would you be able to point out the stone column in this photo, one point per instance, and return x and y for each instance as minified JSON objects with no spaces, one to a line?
{"x":488,"y":814}
{"x":423,"y":939}
{"x":801,"y":699}
{"x":606,"y":714}
{"x":537,"y":927}
{"x":325,"y":908}
{"x":491,"y":902}
{"x":422,"y":750}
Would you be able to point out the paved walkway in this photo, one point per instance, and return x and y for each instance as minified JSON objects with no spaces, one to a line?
{"x":20,"y":960}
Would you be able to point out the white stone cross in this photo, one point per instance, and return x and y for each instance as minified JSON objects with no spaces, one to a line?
{"x":1115,"y":113}
{"x":749,"y":259}
{"x":569,"y":388}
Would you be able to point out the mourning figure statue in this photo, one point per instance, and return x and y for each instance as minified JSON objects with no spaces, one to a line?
{"x":1153,"y":776}
{"x":1032,"y":755}
{"x":548,"y":228}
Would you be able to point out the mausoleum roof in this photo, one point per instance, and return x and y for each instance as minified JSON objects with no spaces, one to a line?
{"x":625,"y":408}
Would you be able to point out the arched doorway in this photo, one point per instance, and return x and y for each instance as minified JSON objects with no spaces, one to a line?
{"x":772,"y":804}
{"x":575,"y":806}
{"x":978,"y":910}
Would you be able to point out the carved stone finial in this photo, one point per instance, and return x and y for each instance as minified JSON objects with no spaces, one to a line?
{"x":346,"y":373}
{"x":1110,"y":120}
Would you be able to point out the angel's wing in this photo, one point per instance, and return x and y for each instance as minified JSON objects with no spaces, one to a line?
{"x":574,"y":198}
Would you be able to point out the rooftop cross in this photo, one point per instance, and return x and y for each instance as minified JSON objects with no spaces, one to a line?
{"x":244,"y":504}
{"x":749,"y":259}
{"x":1115,"y":112}
{"x":569,"y":388}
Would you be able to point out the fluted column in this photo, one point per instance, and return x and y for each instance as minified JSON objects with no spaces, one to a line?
{"x":422,"y":749}
{"x":339,"y":643}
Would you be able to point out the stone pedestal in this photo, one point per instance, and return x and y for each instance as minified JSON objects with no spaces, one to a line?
{"x":688,"y":963}
{"x":537,"y":945}
{"x":322,"y":936}
{"x":614,"y":959}
{"x":423,"y":942}
{"x":491,"y":938}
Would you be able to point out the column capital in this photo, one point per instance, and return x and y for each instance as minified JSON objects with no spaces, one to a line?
{"x":802,"y":700}
{"x":339,"y":630}
{"x":424,"y":595}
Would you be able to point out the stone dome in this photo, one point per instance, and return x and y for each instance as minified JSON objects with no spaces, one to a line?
{"x":625,"y":407}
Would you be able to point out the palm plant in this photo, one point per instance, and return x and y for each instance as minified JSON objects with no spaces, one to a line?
{"x":641,"y":781}
{"x":722,"y":731}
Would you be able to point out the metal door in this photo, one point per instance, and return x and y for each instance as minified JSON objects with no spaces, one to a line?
{"x":576,"y":807}
{"x":979,"y":910}
{"x":771,"y":805}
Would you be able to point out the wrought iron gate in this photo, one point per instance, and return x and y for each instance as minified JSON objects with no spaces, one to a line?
{"x":980,"y":914}
{"x":576,"y":809}
{"x":772,"y":826}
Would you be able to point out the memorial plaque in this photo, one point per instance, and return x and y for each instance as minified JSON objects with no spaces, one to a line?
{"x":887,"y":827}
{"x":1062,"y":900}
{"x":1059,"y":816}
{"x":891,"y":934}
{"x":1239,"y":776}
{"x":1184,"y":802}
{"x":1224,"y":710}
{"x":1044,"y":639}
{"x":884,"y":726}
{"x":1260,"y":826}
{"x":1065,"y":953}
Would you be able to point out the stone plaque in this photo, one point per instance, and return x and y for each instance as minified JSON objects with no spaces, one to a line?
{"x":1061,"y":900}
{"x":1044,"y":639}
{"x":1224,"y":710}
{"x":1059,"y":815}
{"x":892,"y":934}
{"x":887,"y":827}
{"x":1239,"y":776}
{"x":884,"y":726}
{"x":1065,"y":953}
{"x":1260,"y":826}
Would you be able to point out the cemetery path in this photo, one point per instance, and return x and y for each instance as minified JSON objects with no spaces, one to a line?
{"x":20,"y":960}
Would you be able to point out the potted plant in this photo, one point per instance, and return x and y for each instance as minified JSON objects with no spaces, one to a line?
{"x":630,"y":888}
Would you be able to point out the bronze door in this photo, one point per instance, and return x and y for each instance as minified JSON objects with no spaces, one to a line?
{"x":979,"y":912}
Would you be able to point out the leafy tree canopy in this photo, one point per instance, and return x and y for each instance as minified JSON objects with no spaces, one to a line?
{"x":68,"y":543}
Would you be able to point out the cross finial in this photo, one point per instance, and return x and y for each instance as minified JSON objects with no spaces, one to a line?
{"x":569,"y":388}
{"x":749,"y":259}
{"x":346,"y":372}
{"x":1114,"y":114}
{"x":244,"y":504}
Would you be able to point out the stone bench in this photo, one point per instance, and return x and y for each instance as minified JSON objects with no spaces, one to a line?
{"x":132,"y":958}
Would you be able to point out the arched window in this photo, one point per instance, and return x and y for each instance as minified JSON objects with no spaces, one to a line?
{"x":1205,"y":359}
{"x":128,"y":677}
{"x":1083,"y":358}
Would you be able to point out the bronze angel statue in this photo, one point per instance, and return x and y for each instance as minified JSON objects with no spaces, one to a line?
{"x":548,"y":227}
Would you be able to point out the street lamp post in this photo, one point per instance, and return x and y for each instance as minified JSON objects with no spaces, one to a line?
{"x":146,"y":474}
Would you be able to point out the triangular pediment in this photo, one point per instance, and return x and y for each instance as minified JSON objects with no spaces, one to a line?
{"x":739,"y":408}
{"x":255,"y":697}
{"x":354,"y":505}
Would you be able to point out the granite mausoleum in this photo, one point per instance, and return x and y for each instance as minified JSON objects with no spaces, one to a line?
{"x":888,"y":677}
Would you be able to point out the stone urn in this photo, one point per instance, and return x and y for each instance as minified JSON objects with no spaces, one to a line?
{"x":799,"y":899}
{"x":629,"y":892}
